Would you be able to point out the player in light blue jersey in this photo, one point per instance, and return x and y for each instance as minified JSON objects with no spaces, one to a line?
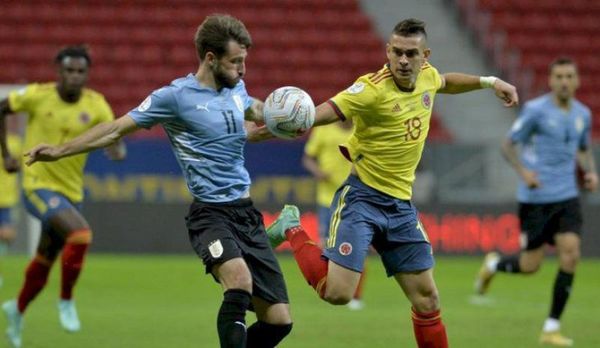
{"x":208,"y":116}
{"x":554,"y":133}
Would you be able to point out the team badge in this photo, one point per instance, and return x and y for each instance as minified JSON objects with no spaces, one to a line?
{"x":54,"y":202}
{"x":426,"y":100}
{"x":238,"y":102}
{"x":145,"y":105}
{"x":356,"y":88}
{"x":345,"y":248}
{"x":579,"y":124}
{"x":215,"y":248}
{"x":84,"y":118}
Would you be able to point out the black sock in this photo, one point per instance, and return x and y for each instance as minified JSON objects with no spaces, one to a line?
{"x":231,"y":323}
{"x":562,"y":290}
{"x":509,"y":264}
{"x":265,"y":335}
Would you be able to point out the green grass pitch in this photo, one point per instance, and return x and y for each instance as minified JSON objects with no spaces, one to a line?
{"x":167,"y":301}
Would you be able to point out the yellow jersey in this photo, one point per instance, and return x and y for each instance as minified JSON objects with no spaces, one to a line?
{"x":54,"y":121}
{"x":323,"y":146}
{"x":9,"y":190}
{"x":390,"y":127}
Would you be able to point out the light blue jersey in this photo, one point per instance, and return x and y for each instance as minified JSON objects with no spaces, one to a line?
{"x":207,"y":134}
{"x":551,"y":138}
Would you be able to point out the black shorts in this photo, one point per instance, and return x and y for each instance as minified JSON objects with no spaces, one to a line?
{"x":223,"y":231}
{"x":540,"y":222}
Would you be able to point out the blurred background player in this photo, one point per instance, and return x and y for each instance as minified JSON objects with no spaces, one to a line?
{"x":9,"y":186}
{"x":554,"y":133}
{"x":322,"y":158}
{"x":205,"y":114}
{"x":58,"y":112}
{"x":391,"y":111}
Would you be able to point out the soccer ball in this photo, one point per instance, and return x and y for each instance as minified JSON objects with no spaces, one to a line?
{"x":288,"y":109}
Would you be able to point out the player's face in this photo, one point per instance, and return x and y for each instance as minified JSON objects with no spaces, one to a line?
{"x":564,"y":81}
{"x":406,"y":55}
{"x":231,"y":67}
{"x":73,"y":73}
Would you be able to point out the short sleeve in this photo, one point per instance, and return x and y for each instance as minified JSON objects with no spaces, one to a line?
{"x":437,"y":78}
{"x":355,"y":100}
{"x":524,"y":126}
{"x":586,"y":134}
{"x":314,"y":144}
{"x":21,"y":99}
{"x":158,"y":107}
{"x":240,"y":89}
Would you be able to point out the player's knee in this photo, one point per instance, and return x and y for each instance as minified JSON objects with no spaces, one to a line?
{"x":530,"y":266}
{"x":426,"y":302}
{"x":569,"y":260}
{"x":337,"y":297}
{"x":83,"y":236}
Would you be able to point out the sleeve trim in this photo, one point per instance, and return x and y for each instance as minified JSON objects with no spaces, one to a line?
{"x":337,"y":110}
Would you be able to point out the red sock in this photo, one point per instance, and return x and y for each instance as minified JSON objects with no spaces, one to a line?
{"x":36,"y":277}
{"x":429,"y":330}
{"x":308,"y":257}
{"x":72,"y":262}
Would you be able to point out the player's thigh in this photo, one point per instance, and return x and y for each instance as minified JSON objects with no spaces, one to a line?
{"x":50,"y":243}
{"x":536,"y":226}
{"x":530,"y":260}
{"x":420,"y":289}
{"x":233,"y":274}
{"x":271,"y":313}
{"x":341,"y":282}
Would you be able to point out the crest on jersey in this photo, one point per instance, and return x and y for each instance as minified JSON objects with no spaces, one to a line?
{"x":215,"y":248}
{"x":54,"y":202}
{"x":345,"y":248}
{"x":238,"y":102}
{"x":84,"y":118}
{"x":356,"y":88}
{"x":145,"y":105}
{"x":426,"y":100}
{"x":579,"y":124}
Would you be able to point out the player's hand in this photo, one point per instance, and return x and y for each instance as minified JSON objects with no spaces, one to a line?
{"x":590,"y":181}
{"x":11,"y":164}
{"x":116,"y":152}
{"x":506,"y":92}
{"x":42,"y":153}
{"x":257,"y":133}
{"x":530,"y":178}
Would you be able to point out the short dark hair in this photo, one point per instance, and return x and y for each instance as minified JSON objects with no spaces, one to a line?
{"x":216,"y":31}
{"x":410,"y":27}
{"x":78,"y":51}
{"x":561,"y":61}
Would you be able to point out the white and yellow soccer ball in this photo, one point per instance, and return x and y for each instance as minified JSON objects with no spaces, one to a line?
{"x":287,"y":110}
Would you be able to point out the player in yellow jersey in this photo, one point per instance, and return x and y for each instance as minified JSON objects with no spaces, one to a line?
{"x":324,"y":161}
{"x":391,"y":110}
{"x":58,"y":112}
{"x":9,"y":195}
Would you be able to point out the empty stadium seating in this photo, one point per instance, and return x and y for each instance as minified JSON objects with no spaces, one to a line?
{"x":540,"y":31}
{"x":137,"y":46}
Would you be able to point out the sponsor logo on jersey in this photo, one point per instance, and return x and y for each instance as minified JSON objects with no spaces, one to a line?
{"x":202,"y":107}
{"x":396,"y":108}
{"x":345,"y":248}
{"x":215,"y":248}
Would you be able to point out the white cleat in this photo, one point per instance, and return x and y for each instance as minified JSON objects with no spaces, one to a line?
{"x":15,"y":323}
{"x":355,"y":305}
{"x":67,"y":314}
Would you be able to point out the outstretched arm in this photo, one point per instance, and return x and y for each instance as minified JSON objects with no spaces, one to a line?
{"x":454,"y":83}
{"x":586,"y":161}
{"x":100,"y":136}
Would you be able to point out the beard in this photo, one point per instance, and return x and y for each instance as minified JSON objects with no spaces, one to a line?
{"x":222,"y":79}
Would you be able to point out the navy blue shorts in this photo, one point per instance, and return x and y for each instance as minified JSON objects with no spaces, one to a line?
{"x":6,"y":216}
{"x":363,"y":216}
{"x":43,"y":204}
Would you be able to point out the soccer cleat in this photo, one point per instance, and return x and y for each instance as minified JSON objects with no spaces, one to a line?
{"x":484,"y":278}
{"x":355,"y":305}
{"x":288,"y":218}
{"x":67,"y":314}
{"x":15,"y":323}
{"x":556,"y":339}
